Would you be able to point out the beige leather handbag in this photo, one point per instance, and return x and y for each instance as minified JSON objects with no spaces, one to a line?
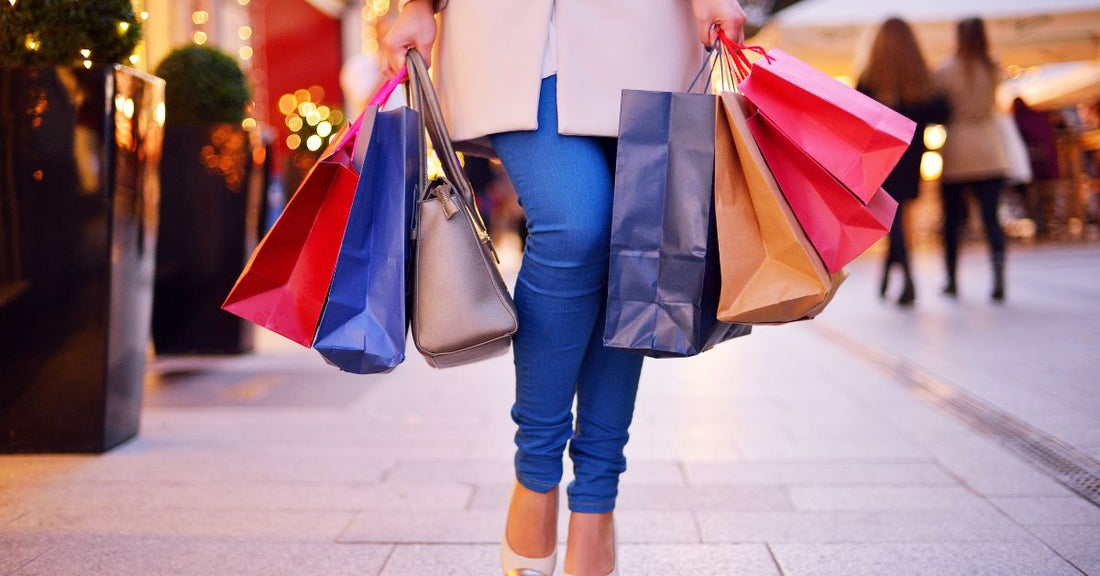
{"x":462,"y":311}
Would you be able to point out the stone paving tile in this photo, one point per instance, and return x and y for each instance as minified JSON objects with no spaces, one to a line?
{"x":799,"y":473}
{"x":57,"y":525}
{"x":818,"y":447}
{"x":247,"y":427}
{"x":669,"y":559}
{"x":847,"y":526}
{"x":635,"y":559}
{"x":425,"y":527}
{"x":265,"y":463}
{"x":993,"y":471}
{"x":884,"y":498}
{"x":149,"y":496}
{"x":452,"y":470}
{"x":497,"y":471}
{"x":916,"y":559}
{"x":15,"y":553}
{"x":443,"y":559}
{"x":1081,"y":546}
{"x":16,"y":469}
{"x":486,"y":526}
{"x":1052,"y":511}
{"x":657,"y":497}
{"x":168,"y":556}
{"x":706,"y":447}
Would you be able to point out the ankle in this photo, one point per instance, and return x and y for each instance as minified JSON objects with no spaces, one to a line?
{"x":591,"y":545}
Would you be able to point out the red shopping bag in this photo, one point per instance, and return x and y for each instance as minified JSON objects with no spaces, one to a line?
{"x":284,"y":285}
{"x":839,"y":225}
{"x":852,"y":136}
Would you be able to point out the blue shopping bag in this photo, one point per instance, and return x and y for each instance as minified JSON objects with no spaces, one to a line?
{"x":665,"y":279}
{"x":364,"y":322}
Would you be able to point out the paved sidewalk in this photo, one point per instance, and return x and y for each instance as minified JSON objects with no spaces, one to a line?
{"x":790,"y":452}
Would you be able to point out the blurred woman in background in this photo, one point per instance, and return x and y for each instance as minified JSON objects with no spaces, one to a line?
{"x":897,"y":75}
{"x":974,"y":158}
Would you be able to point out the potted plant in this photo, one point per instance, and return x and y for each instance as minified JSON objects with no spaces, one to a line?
{"x":80,"y":146}
{"x":210,"y":200}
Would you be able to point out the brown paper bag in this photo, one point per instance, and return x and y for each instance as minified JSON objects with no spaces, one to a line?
{"x":771,"y":273}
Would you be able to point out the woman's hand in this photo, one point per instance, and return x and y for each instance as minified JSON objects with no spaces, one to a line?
{"x":714,"y":15}
{"x":414,"y":28}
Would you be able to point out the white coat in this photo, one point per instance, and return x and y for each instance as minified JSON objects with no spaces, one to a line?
{"x":489,"y":56}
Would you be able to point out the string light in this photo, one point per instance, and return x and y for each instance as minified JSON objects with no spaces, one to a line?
{"x":123,"y":27}
{"x":311,"y":125}
{"x":373,"y":10}
{"x":199,"y":37}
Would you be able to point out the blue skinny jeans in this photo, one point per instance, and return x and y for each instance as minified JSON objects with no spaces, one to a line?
{"x":564,"y":184}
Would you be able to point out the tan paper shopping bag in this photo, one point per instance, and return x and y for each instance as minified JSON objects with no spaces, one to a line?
{"x":771,"y":273}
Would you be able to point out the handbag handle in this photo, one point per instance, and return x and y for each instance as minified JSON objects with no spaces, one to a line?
{"x":426,"y":102}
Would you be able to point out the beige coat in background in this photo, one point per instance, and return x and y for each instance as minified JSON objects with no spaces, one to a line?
{"x":488,"y":60}
{"x":973,"y":150}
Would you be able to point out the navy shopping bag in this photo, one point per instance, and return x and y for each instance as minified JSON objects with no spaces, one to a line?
{"x":664,"y":279}
{"x":363,"y":325}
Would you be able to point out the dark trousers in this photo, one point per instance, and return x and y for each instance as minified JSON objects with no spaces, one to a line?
{"x":988,"y":193}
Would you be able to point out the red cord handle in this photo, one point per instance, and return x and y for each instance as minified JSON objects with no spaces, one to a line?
{"x":741,"y":64}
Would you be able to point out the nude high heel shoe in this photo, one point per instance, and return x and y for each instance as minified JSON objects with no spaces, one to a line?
{"x":515,"y":565}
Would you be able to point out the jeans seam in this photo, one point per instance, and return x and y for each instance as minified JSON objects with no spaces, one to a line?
{"x":604,"y":503}
{"x":524,"y":479}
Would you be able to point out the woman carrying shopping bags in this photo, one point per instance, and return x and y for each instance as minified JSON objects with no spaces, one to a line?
{"x":974,"y":157}
{"x":540,"y":81}
{"x":897,"y":76}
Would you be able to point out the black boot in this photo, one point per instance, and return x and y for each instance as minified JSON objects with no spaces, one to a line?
{"x":951,"y":289}
{"x":909,"y":292}
{"x":998,"y":278}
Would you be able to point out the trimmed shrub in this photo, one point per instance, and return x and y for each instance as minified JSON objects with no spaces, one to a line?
{"x":54,"y":32}
{"x":204,"y":85}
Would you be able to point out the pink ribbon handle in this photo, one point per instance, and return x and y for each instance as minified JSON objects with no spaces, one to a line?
{"x":378,"y":99}
{"x":386,"y":90}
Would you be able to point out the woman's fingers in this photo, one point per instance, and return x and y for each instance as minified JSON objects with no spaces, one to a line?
{"x":414,"y":28}
{"x":714,"y":15}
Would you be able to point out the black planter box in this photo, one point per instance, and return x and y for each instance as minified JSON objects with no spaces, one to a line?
{"x":211,"y":192}
{"x":79,"y":157}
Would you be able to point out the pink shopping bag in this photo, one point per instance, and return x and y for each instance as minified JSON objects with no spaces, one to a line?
{"x":852,"y":136}
{"x":839,"y":225}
